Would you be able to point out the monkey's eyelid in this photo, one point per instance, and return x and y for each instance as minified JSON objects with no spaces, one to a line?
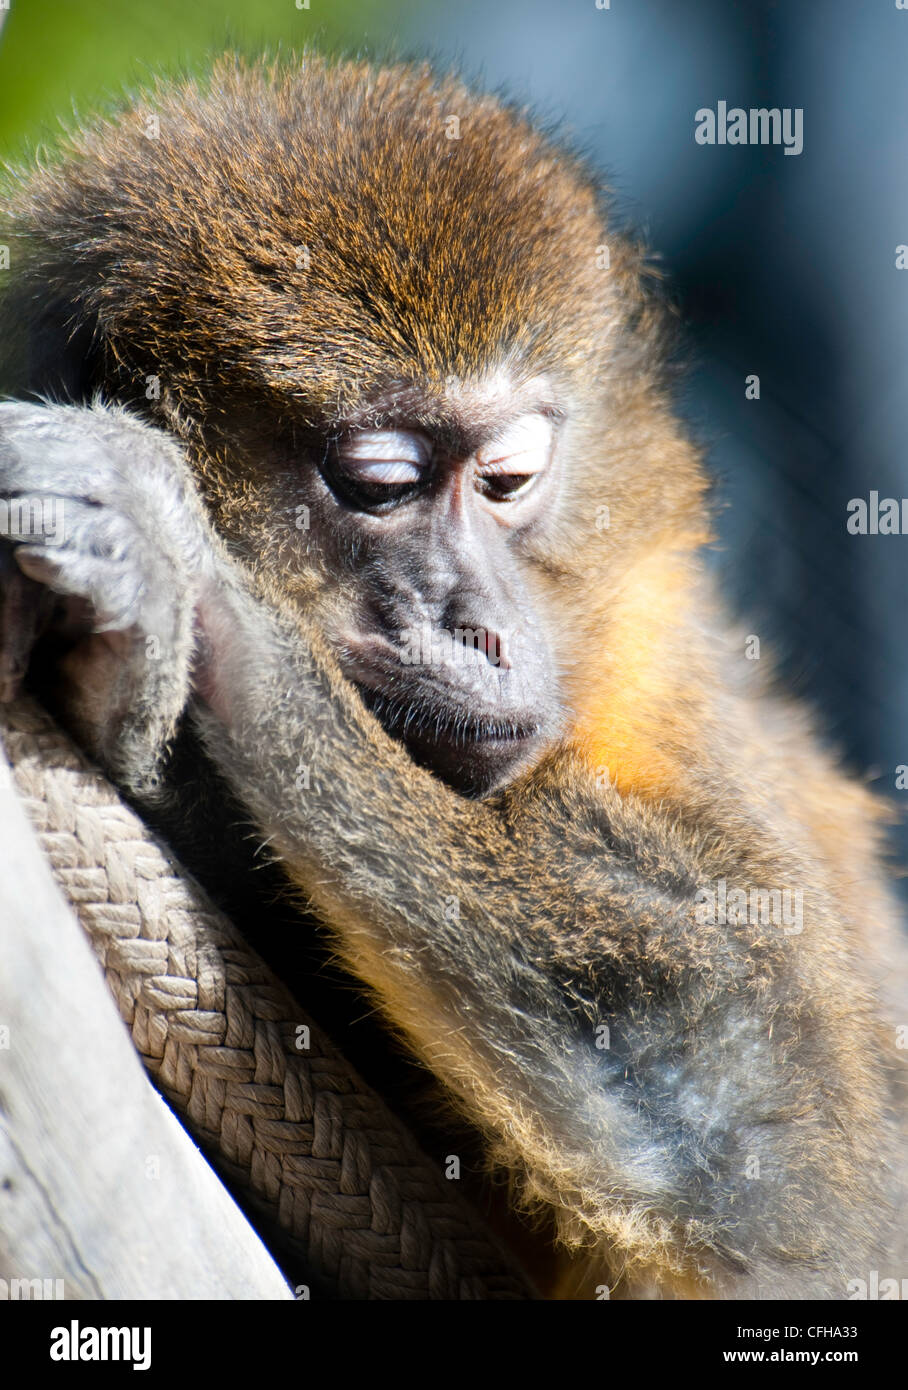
{"x":528,"y":439}
{"x":525,"y":462}
{"x":382,"y":470}
{"x":395,"y":446}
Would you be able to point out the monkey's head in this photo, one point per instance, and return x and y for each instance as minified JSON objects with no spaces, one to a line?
{"x":415,"y":371}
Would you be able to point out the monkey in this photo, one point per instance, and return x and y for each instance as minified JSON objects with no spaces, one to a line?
{"x":370,"y":476}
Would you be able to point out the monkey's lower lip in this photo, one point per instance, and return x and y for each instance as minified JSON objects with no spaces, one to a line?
{"x":425,"y":726}
{"x":473,"y":756}
{"x":473,"y":765}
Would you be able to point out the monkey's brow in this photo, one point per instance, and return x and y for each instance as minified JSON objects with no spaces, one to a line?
{"x":450,"y":421}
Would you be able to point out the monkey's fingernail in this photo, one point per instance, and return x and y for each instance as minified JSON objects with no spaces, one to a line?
{"x":36,"y":565}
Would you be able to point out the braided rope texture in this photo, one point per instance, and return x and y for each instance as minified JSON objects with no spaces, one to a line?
{"x":295,"y":1129}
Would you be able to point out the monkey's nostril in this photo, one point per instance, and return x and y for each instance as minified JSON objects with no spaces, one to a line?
{"x":484,"y":639}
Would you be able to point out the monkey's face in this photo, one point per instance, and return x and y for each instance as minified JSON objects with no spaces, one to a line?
{"x":422,"y":504}
{"x":426,"y":342}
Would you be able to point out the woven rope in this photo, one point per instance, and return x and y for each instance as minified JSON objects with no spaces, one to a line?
{"x":317,"y":1150}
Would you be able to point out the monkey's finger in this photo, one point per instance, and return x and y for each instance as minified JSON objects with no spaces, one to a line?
{"x":108,"y":589}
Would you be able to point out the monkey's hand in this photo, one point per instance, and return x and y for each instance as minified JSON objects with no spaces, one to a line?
{"x":102,"y":547}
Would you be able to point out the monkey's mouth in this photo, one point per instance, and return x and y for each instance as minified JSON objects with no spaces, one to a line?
{"x":472,"y":753}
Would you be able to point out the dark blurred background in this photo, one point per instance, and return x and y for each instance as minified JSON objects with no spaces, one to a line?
{"x":783,"y":266}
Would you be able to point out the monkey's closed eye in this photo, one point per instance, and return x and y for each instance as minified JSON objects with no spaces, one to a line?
{"x":376,"y":467}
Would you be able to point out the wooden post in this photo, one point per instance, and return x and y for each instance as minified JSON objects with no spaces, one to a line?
{"x":100,"y":1186}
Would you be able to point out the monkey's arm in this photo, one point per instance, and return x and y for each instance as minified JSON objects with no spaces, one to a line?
{"x":661,"y":1083}
{"x":510,"y":939}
